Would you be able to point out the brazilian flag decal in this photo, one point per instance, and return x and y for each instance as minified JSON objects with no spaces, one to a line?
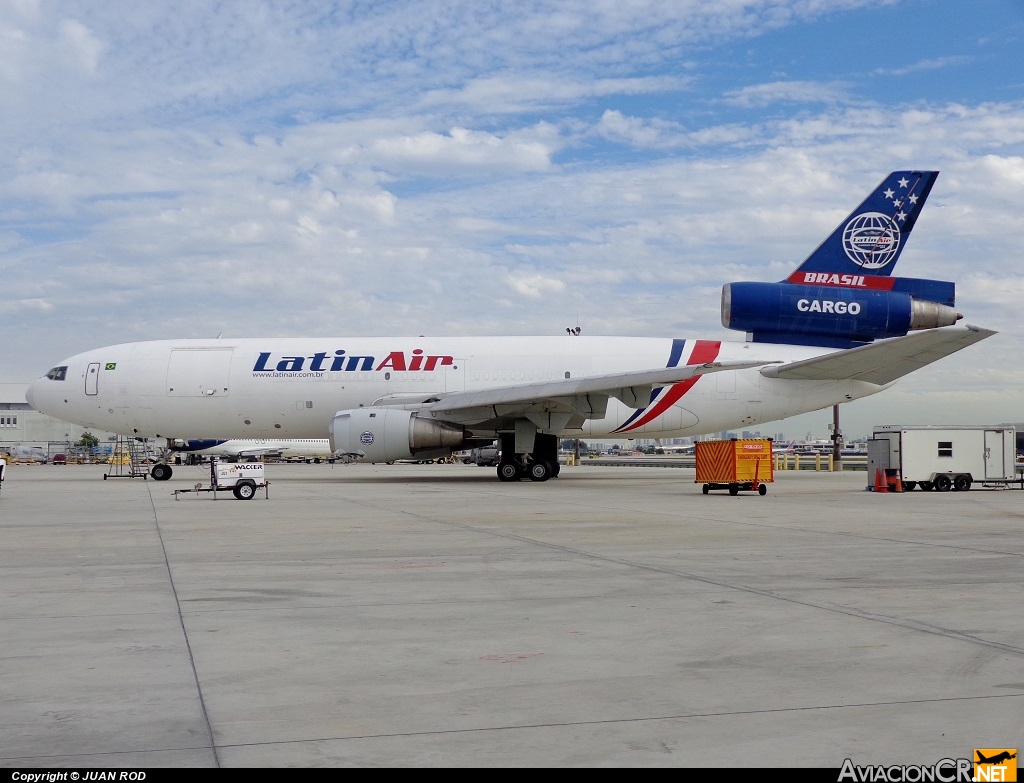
{"x":110,"y":366}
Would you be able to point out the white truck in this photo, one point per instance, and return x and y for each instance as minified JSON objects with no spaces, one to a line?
{"x":944,"y":457}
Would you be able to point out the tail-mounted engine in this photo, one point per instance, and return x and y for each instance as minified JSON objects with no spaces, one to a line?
{"x":842,"y":315}
{"x":387,"y":434}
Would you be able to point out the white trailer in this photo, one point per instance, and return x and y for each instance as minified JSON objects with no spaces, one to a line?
{"x":242,"y":478}
{"x":944,"y":457}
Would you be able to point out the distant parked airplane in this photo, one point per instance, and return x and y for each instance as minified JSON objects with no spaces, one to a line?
{"x":314,"y":448}
{"x":21,"y":453}
{"x":686,"y":448}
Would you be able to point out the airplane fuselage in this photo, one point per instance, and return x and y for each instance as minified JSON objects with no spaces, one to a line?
{"x":292,"y":387}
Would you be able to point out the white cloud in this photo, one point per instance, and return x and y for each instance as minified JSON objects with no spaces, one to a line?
{"x":760,"y":95}
{"x":534,"y":286}
{"x":928,"y":64}
{"x":80,"y":44}
{"x":639,"y":131}
{"x":460,"y":149}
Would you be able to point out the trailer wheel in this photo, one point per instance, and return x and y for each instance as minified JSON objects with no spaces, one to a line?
{"x":245,"y":490}
{"x":909,"y":486}
{"x":706,"y":488}
{"x":762,"y":489}
{"x":927,"y":486}
{"x":734,"y":489}
{"x":943,"y":483}
{"x":962,"y":483}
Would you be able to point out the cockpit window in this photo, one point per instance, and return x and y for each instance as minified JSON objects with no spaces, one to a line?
{"x":57,"y":373}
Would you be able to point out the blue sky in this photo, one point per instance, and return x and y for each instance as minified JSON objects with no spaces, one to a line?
{"x":361,"y":168}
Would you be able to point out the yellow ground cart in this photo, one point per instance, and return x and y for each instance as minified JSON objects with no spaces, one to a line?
{"x":736,"y":465}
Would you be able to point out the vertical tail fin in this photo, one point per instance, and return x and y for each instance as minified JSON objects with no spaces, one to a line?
{"x":869,"y":241}
{"x":844,"y":294}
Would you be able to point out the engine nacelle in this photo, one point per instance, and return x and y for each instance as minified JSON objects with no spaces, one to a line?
{"x":831,"y":316}
{"x":387,"y":434}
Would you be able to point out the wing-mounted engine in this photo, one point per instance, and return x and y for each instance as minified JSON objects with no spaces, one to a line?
{"x":852,"y":310}
{"x":385,"y":434}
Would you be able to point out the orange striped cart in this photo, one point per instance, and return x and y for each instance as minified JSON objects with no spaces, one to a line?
{"x":736,"y":465}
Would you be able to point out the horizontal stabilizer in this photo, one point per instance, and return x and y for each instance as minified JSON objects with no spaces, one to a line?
{"x":596,"y":384}
{"x":885,"y":361}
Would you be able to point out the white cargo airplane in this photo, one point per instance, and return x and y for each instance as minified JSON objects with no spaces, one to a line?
{"x":810,"y":344}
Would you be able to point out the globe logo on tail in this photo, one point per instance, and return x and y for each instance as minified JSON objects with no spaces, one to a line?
{"x":871,"y":240}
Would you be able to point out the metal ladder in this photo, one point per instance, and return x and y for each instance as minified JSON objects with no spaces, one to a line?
{"x":128,"y":459}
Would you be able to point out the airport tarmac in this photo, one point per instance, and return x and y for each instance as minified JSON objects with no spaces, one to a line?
{"x":432,"y":616}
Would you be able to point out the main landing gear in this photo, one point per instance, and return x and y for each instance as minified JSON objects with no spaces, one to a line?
{"x":540,"y":464}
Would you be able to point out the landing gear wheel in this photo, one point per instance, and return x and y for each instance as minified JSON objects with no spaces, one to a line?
{"x":508,"y":471}
{"x":159,"y":472}
{"x":762,"y":489}
{"x":962,"y":483}
{"x":942,"y":483}
{"x":540,"y":470}
{"x":244,"y":491}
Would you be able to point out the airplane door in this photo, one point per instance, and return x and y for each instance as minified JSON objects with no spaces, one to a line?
{"x":995,"y":465}
{"x":455,"y":376}
{"x":725,"y":383}
{"x":92,"y":379}
{"x":199,"y":372}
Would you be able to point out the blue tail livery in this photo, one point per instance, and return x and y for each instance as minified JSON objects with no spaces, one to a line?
{"x":843,"y":294}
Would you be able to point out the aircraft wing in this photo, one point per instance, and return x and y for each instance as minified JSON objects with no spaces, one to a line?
{"x":585,"y":397}
{"x":885,"y":361}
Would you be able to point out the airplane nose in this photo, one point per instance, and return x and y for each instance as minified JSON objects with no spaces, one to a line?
{"x":30,"y":394}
